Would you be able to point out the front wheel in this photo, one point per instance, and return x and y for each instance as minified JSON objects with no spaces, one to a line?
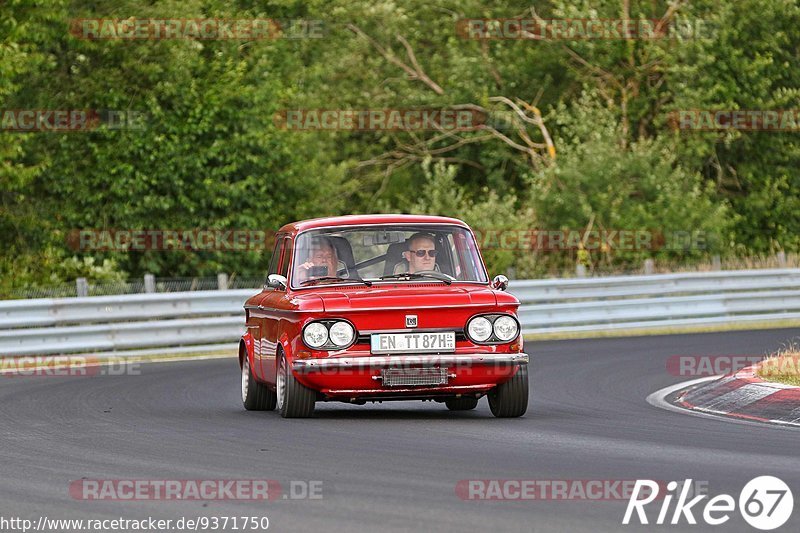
{"x":510,"y":399}
{"x":295,"y":400}
{"x":255,"y":396}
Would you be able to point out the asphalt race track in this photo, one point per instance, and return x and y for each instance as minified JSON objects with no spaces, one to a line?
{"x":392,"y":466}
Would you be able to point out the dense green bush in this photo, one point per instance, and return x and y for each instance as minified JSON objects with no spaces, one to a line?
{"x":209,"y":154}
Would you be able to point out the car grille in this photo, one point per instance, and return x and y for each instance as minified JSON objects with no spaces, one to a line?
{"x":410,"y":377}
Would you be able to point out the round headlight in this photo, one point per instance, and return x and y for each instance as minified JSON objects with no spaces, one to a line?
{"x":505,"y":328}
{"x":479,"y":329}
{"x":315,"y":335}
{"x":342,"y":333}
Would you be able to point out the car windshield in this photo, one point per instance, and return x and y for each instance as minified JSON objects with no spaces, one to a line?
{"x":401,"y":253}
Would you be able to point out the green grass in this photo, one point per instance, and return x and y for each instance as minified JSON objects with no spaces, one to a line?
{"x":783,"y":367}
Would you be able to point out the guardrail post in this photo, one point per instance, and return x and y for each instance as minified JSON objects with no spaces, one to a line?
{"x":82,"y":287}
{"x":649,"y":266}
{"x":149,"y":283}
{"x":716,"y":264}
{"x":222,"y":281}
{"x":580,"y":270}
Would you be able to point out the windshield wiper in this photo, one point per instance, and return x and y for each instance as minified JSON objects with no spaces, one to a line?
{"x":335,"y":278}
{"x":417,"y":275}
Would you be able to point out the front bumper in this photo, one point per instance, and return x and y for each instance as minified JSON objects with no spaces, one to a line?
{"x":408,"y":360}
{"x":363,"y":376}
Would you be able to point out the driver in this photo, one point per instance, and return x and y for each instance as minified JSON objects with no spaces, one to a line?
{"x":321,"y":254}
{"x":420,"y":253}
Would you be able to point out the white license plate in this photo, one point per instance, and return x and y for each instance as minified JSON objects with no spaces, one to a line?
{"x":417,"y":342}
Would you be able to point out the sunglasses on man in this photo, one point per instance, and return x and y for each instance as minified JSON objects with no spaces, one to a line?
{"x":421,"y":253}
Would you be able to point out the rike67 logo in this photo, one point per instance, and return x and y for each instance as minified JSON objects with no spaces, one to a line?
{"x":765,"y":503}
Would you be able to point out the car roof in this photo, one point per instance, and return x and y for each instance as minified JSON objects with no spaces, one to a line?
{"x":354,"y":220}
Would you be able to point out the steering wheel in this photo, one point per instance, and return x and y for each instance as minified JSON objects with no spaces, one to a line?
{"x":436,"y":272}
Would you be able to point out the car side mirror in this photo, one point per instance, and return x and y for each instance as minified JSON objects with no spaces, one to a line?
{"x":276,"y":281}
{"x":500,"y":282}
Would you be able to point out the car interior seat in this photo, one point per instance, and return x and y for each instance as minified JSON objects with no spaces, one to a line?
{"x":394,"y":256}
{"x":345,"y":254}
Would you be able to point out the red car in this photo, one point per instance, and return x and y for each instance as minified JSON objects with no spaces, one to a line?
{"x":381,"y":307}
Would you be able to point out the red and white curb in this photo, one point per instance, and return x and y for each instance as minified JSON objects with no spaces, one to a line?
{"x":743,"y":396}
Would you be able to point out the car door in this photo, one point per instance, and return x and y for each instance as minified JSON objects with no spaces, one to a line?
{"x":272,"y":308}
{"x":255,"y":311}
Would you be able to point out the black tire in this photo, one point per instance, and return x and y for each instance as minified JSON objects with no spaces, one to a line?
{"x":297,"y":400}
{"x":256,"y":396}
{"x":510,"y":399}
{"x":461,"y":404}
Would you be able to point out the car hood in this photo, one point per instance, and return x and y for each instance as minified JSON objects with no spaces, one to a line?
{"x":381,"y":297}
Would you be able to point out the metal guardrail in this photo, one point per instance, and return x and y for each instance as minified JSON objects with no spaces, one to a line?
{"x":119,"y":308}
{"x":177,"y":321}
{"x":657,"y":301}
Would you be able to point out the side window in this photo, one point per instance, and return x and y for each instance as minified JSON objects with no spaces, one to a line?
{"x":287,"y":253}
{"x":276,"y":255}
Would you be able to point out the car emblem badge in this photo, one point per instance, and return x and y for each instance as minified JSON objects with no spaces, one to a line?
{"x":411,"y":321}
